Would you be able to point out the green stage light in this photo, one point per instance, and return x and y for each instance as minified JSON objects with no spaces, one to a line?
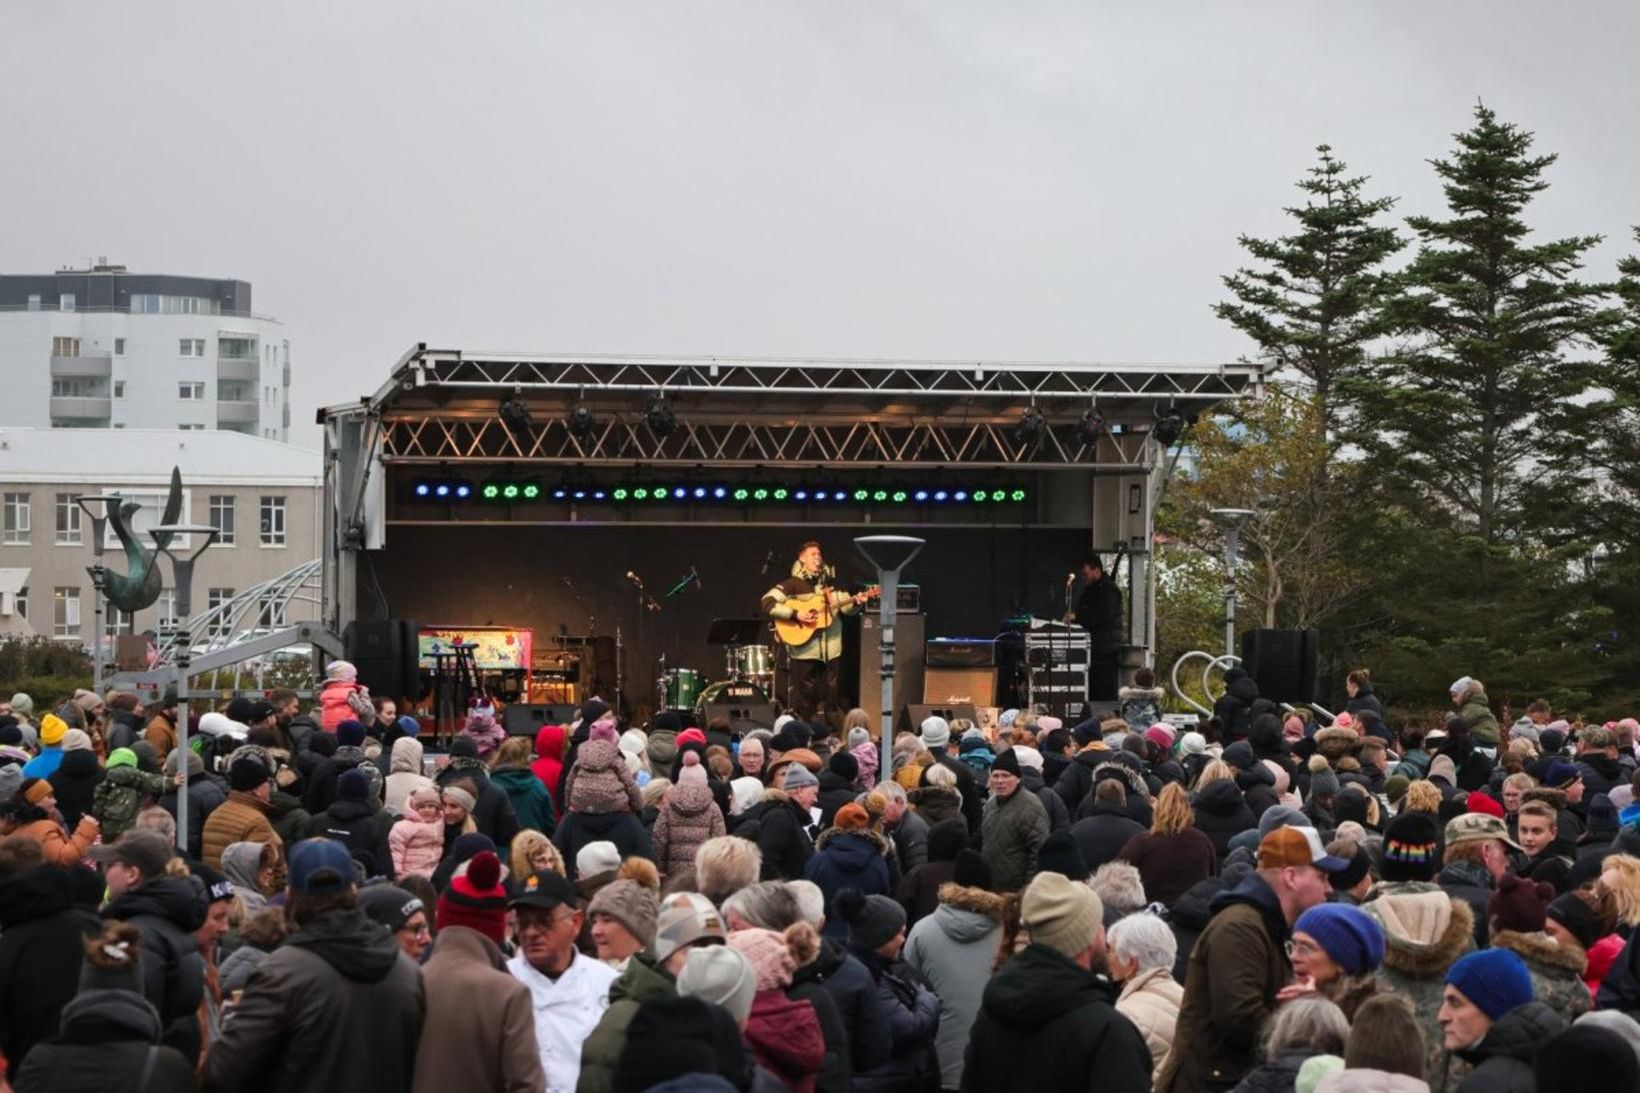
{"x":640,"y":494}
{"x":899,"y":497}
{"x":880,"y":495}
{"x":619,"y":494}
{"x":980,"y":495}
{"x":760,"y":494}
{"x":509,"y":491}
{"x":491,"y":491}
{"x":780,"y":495}
{"x":742,"y":493}
{"x":660,"y":493}
{"x":1017,"y":495}
{"x":531,"y":491}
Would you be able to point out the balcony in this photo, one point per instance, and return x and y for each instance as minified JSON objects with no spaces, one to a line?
{"x":237,"y":368}
{"x":82,"y":409}
{"x":90,"y":365}
{"x":237,"y":412}
{"x":287,"y":375}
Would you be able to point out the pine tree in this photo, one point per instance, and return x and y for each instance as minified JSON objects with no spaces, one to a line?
{"x":1316,"y":305}
{"x":1474,"y":410}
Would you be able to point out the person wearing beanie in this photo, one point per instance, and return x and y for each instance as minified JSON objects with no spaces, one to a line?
{"x":1239,"y":962}
{"x":52,"y":731}
{"x":480,"y":1026}
{"x":1046,"y":1022}
{"x":1352,"y":885}
{"x":849,"y":855}
{"x":403,"y":914}
{"x":783,"y":1033}
{"x":783,"y":821}
{"x":721,"y":975}
{"x":244,"y":817}
{"x":1014,"y":826}
{"x":342,"y":697}
{"x":358,"y":821}
{"x":1489,"y":1020}
{"x":918,"y":891}
{"x":1587,"y":919}
{"x":1061,"y":854}
{"x":1589,"y":1057}
{"x":320,"y":790}
{"x":876,"y":937}
{"x":1518,"y":913}
{"x":623,"y":915}
{"x":839,"y":784}
{"x":120,"y":794}
{"x":602,"y":803}
{"x":953,"y":950}
{"x":107,"y":1028}
{"x":1336,"y":951}
{"x":688,"y":816}
{"x":415,"y":842}
{"x":936,"y":737}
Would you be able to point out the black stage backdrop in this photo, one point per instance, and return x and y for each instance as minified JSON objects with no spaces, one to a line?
{"x":972,"y":578}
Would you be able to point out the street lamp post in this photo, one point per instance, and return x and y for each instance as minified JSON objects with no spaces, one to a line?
{"x":1232,"y":521}
{"x":182,"y":568}
{"x":97,"y":507}
{"x":890,"y":554}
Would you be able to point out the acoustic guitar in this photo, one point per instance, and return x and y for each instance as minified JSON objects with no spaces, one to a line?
{"x":795,"y":631}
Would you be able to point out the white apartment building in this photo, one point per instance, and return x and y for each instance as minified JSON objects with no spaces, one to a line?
{"x":103,"y":348}
{"x":263,"y":496}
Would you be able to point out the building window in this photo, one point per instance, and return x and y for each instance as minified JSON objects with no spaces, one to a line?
{"x":15,"y":523}
{"x":191,"y":428}
{"x":273,"y":521}
{"x":193,"y":391}
{"x":119,"y":388}
{"x":22,"y":603}
{"x":65,"y":347}
{"x":66,"y":301}
{"x":121,"y":622}
{"x":150,"y":510}
{"x":119,"y":347}
{"x":68,"y":520}
{"x":222,"y":517}
{"x":167,"y":604}
{"x":34,"y":301}
{"x":215,"y":598}
{"x":191,"y":347}
{"x":236,"y":349}
{"x":77,"y":387}
{"x":65,"y":612}
{"x":270,"y":610}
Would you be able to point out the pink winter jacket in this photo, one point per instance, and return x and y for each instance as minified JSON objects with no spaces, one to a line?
{"x":417,"y":846}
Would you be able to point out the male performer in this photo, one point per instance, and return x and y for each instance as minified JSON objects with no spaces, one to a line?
{"x":1099,"y":612}
{"x":813,"y":672}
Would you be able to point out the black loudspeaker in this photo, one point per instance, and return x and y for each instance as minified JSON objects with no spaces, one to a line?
{"x":908,"y":664}
{"x":743,"y":717}
{"x":1282,"y":663}
{"x":914,"y":714}
{"x":385,"y":653}
{"x":526,"y":720}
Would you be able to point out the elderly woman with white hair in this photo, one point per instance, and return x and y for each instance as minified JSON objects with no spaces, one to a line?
{"x":1139,"y":954}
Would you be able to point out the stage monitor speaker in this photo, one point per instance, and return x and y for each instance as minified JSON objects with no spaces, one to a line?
{"x":973,"y":686}
{"x":385,"y":653}
{"x":913,"y":715}
{"x":743,"y":717}
{"x":524,"y":719}
{"x":908,"y":664}
{"x":1282,"y":663}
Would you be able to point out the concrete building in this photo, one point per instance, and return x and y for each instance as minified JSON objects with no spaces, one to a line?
{"x":263,"y":495}
{"x":102,"y":348}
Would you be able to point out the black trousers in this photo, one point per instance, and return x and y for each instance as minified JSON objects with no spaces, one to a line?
{"x":813,"y":689}
{"x":1103,"y":673}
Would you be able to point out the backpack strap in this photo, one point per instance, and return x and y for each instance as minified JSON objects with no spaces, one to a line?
{"x":148,"y":1068}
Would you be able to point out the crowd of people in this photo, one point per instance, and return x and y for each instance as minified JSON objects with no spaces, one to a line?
{"x":1268,"y":901}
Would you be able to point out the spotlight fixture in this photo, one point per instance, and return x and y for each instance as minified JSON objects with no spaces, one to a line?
{"x":515,"y":412}
{"x":1169,"y":427}
{"x":1031,"y":428}
{"x":659,"y":417}
{"x":1091,"y":427}
{"x":581,"y":422}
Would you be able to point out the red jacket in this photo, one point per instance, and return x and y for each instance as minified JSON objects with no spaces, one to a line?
{"x":549,"y":764}
{"x":1602,"y":954}
{"x":785,"y":1038}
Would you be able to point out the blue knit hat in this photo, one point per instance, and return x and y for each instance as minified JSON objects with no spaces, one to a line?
{"x":1350,"y":936}
{"x":1496,"y":980}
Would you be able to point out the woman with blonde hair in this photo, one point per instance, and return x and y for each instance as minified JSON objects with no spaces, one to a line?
{"x":1222,"y":812}
{"x":1422,"y":796}
{"x":533,"y":852}
{"x":1172,"y":856}
{"x":1620,"y":990}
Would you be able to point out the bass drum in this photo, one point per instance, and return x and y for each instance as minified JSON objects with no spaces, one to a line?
{"x":733,"y":692}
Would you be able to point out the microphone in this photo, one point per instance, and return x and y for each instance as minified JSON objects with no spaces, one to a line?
{"x":1070,"y":578}
{"x":695,"y":573}
{"x":634,"y":578}
{"x":768,"y":561}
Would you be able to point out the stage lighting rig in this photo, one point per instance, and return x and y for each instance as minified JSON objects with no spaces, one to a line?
{"x":515,"y":412}
{"x":658,"y":415}
{"x":1031,"y":427}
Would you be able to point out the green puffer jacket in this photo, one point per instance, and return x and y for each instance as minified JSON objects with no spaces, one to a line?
{"x":1476,"y":714}
{"x":119,"y":796}
{"x":643,"y":981}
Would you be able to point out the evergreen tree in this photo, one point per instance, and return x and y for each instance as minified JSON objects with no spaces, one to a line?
{"x":1315,"y":305}
{"x":1474,"y":410}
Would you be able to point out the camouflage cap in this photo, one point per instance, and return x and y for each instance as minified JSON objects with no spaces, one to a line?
{"x":687,"y":918}
{"x":1474,"y":827}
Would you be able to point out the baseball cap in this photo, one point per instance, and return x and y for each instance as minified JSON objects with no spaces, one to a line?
{"x":1477,"y":827}
{"x":319,"y":865}
{"x":145,"y":850}
{"x":545,"y":890}
{"x":686,"y":917}
{"x":1289,"y":846}
{"x":261,"y":710}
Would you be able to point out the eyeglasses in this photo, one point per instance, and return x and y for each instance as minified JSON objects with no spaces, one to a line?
{"x":1295,"y":947}
{"x":544,"y":925}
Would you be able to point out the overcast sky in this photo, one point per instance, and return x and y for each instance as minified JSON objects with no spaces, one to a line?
{"x":1001,"y":180}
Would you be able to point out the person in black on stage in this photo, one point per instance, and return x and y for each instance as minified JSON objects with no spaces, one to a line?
{"x":813,"y":668}
{"x":1099,"y":612}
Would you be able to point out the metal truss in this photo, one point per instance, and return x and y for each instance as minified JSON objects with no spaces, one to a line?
{"x":1009,"y":382}
{"x":249,"y":615}
{"x":857,"y":444}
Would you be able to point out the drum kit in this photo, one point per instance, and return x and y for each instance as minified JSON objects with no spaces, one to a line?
{"x":748,"y":671}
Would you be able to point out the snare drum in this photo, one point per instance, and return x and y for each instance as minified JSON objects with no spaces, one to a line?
{"x":680,"y":687}
{"x":751,"y":662}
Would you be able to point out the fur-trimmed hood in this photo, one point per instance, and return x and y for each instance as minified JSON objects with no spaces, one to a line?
{"x":1541,"y":949}
{"x":977,"y":900}
{"x":1425,"y":929}
{"x":1554,"y":798}
{"x":1132,"y":779}
{"x":870,"y":836}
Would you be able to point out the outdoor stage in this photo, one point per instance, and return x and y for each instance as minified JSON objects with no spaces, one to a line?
{"x":521,"y":490}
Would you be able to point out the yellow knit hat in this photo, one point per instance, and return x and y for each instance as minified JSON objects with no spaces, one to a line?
{"x":52,"y":729}
{"x":1061,"y":913}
